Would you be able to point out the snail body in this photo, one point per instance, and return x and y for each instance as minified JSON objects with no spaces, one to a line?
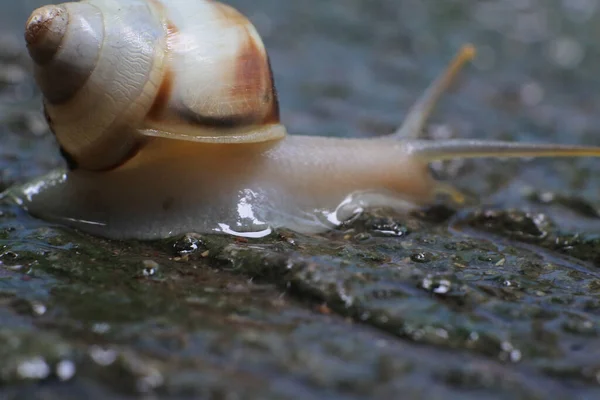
{"x":172,"y":187}
{"x":169,"y":121}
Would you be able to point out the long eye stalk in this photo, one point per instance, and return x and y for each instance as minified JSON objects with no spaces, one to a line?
{"x":468,"y":148}
{"x":417,"y":116}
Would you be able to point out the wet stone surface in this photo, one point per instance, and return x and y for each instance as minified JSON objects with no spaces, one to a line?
{"x":498,"y":300}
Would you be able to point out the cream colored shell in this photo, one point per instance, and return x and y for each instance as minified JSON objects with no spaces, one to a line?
{"x":114,"y":72}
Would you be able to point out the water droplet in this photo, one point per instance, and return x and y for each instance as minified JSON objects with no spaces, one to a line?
{"x":38,"y":308}
{"x":345,"y":297}
{"x":65,"y":370}
{"x":515,"y":355}
{"x":427,"y":282}
{"x":188,"y":244}
{"x":442,"y":287}
{"x":421,"y":257}
{"x":29,"y":307}
{"x":436,"y":285}
{"x":389,"y":227}
{"x":151,"y":381}
{"x":34,"y":368}
{"x":506,"y":346}
{"x":150,"y":268}
{"x":442,"y":333}
{"x":9,"y":255}
{"x":103,"y":357}
{"x":100,"y":328}
{"x":509,"y":352}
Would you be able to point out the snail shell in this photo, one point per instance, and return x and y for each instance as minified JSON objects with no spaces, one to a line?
{"x":115,"y":72}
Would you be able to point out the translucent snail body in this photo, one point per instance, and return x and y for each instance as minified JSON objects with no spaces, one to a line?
{"x":169,"y":121}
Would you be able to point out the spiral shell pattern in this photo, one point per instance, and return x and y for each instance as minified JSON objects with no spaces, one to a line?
{"x":110,"y":69}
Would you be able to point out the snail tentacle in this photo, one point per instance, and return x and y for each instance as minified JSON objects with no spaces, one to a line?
{"x":472,"y":148}
{"x":414,"y":122}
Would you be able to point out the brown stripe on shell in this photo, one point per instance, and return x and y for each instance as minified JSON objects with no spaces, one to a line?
{"x":59,"y":75}
{"x":225,"y":122}
{"x":69,"y":159}
{"x":273,"y":117}
{"x":162,"y":96}
{"x":56,"y":90}
{"x":73,"y":164}
{"x":264,"y":108}
{"x":253,"y":75}
{"x":133,"y":151}
{"x":253,"y":80}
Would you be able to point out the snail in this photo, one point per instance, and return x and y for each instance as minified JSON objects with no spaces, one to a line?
{"x":167,"y":116}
